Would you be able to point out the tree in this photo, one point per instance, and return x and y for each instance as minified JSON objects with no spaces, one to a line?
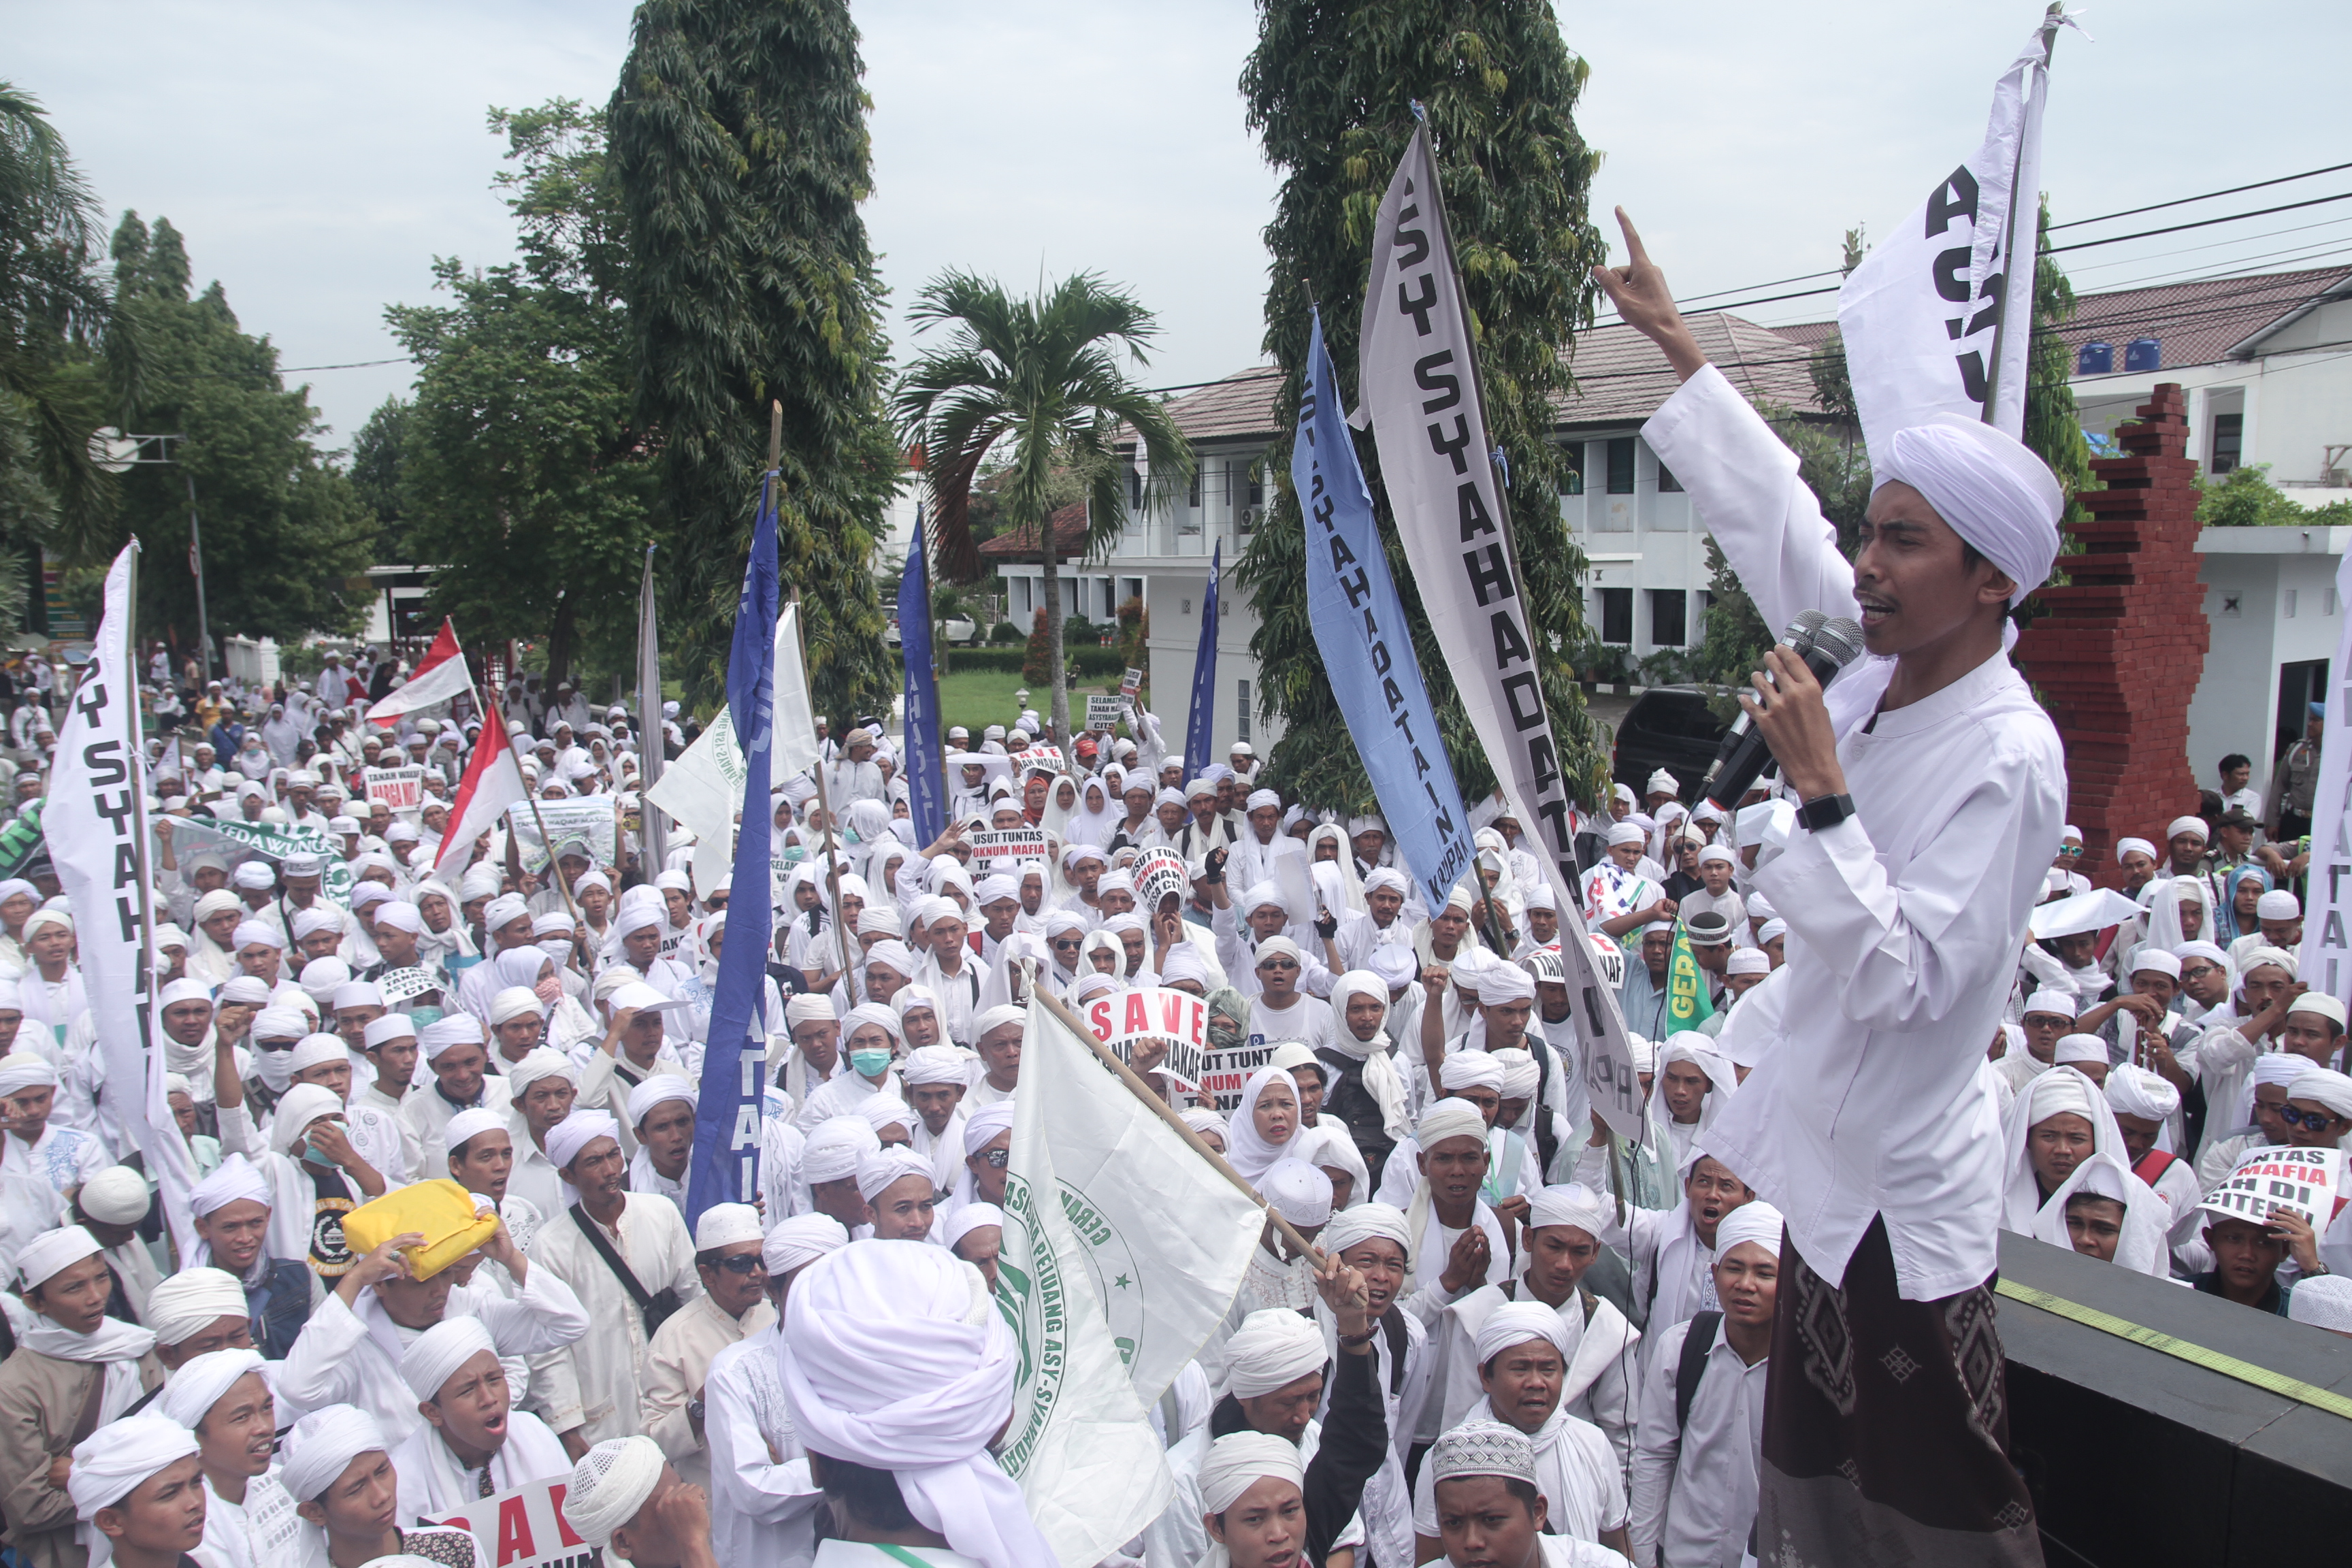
{"x":286,"y":541}
{"x":1328,"y":91}
{"x":738,"y":142}
{"x":375,"y":471}
{"x":1038,"y":380}
{"x":523,"y":471}
{"x":68,"y":355}
{"x":2053,"y":427}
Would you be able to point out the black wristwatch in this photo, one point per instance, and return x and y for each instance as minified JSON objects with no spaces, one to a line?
{"x":1825,"y":811}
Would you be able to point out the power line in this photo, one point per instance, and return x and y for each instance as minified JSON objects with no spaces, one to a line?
{"x":2200,"y":223}
{"x":2209,"y":196}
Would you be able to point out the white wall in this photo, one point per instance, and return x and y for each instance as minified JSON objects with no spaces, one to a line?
{"x":2283,"y":583}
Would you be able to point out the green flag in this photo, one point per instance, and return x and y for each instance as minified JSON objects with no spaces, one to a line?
{"x":1687,"y":1005}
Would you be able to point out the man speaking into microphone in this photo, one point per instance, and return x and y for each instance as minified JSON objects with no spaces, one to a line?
{"x":1930,"y":793}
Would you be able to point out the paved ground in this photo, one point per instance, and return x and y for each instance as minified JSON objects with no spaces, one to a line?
{"x":1608,"y":707}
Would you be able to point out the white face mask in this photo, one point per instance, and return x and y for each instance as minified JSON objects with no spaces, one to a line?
{"x":276,"y":1068}
{"x":556,"y":948}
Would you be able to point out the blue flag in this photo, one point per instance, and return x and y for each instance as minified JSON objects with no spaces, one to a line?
{"x":924,"y":765}
{"x":725,"y":1168}
{"x":1200,"y":729}
{"x":1367,"y":644}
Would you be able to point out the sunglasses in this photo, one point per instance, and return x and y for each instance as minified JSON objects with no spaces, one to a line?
{"x":1072,"y":942}
{"x":741,"y":1263}
{"x":995,"y":1159}
{"x":2071,"y":851}
{"x":2309,"y":1120}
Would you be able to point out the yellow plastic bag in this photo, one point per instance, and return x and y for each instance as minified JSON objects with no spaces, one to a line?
{"x":440,"y":1211}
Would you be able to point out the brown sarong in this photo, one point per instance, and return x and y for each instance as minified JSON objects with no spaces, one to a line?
{"x":1887,"y":1426}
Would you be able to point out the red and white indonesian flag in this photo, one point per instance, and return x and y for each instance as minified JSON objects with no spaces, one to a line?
{"x":440,"y":675}
{"x":493,"y":781}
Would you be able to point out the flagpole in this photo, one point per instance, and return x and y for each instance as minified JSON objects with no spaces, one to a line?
{"x":1076,"y":1025}
{"x":653,"y":839}
{"x":555,"y":872}
{"x":2028,"y":114}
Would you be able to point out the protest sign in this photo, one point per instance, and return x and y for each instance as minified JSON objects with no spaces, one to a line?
{"x":1155,"y":1013}
{"x":1158,"y":873}
{"x":398,"y":985}
{"x":1102,"y":712}
{"x":269,"y":841}
{"x":997,"y":843}
{"x":588,"y":818}
{"x":1046,"y":757}
{"x":1130,"y":683}
{"x":525,"y":1526}
{"x":402,"y":789}
{"x":2308,"y":1182}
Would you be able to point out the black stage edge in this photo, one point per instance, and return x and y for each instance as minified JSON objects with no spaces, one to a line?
{"x":2137,"y":1457}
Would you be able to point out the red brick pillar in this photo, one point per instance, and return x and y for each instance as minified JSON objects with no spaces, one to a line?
{"x":2117,"y":651}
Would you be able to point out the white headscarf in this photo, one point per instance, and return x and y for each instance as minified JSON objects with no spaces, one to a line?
{"x":895,"y":1357}
{"x":2055,"y":1092}
{"x":1245,"y":1151}
{"x":2164,"y":914}
{"x":2146,"y":1216}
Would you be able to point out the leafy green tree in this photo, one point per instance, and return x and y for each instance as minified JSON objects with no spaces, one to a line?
{"x":375,"y":465}
{"x":1330,"y":90}
{"x":1036,"y":381}
{"x":67,"y":354}
{"x":740,"y":146}
{"x":520,"y":467}
{"x":285,"y":541}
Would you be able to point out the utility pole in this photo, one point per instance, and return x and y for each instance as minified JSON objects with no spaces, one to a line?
{"x":117,"y":453}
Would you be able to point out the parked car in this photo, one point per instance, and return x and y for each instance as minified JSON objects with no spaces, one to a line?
{"x":960,"y":630}
{"x":1668,"y":727}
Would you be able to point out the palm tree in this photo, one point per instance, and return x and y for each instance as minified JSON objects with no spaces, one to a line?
{"x":1039,"y":378}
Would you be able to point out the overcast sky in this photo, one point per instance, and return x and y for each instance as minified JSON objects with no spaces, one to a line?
{"x":319,"y":155}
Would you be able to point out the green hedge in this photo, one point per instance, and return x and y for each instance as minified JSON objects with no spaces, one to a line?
{"x":1085,"y":662}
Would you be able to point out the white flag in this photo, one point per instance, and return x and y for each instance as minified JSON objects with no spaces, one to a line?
{"x":1919,"y":316}
{"x":1418,"y":388}
{"x":95,"y":822}
{"x":1120,"y":1242}
{"x":2327,"y":953}
{"x":796,"y":745}
{"x":703,"y":788}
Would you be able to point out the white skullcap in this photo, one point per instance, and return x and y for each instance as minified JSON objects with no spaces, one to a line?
{"x":504,"y":910}
{"x":1987,"y":485}
{"x":515,"y":1001}
{"x":441,"y":1034}
{"x":2153,"y":960}
{"x":1239,"y":1460}
{"x":322,"y":1445}
{"x":934,"y":1064}
{"x":2255,"y":957}
{"x":2321,"y":1003}
{"x":609,"y":1485}
{"x":51,"y":1251}
{"x":1481,"y":1449}
{"x":1570,"y":1205}
{"x":726,"y":1224}
{"x":2080,"y":1048}
{"x":2058,"y":1003}
{"x":187,"y":1303}
{"x":1714,"y":853}
{"x":985,"y":1125}
{"x":881,"y":1167}
{"x":2278,"y":904}
{"x":248,"y":933}
{"x":390,"y":1027}
{"x":537,"y":1063}
{"x":441,"y":1351}
{"x":317,"y":1050}
{"x":1274,"y":1348}
{"x":357,"y":993}
{"x":1298,"y":1192}
{"x":568,"y":1137}
{"x":1626,"y":833}
{"x":1449,"y":1119}
{"x":658,"y":1090}
{"x":1754,"y":1221}
{"x":2134,"y":1091}
{"x":885,"y":1110}
{"x":200,"y":1382}
{"x":2188,"y":825}
{"x":1749,"y":960}
{"x":797,"y":1242}
{"x":2322,"y":1300}
{"x":115,"y":1195}
{"x":809,"y":1007}
{"x":966,"y":1219}
{"x":109,"y":1463}
{"x":834,"y":1148}
{"x":1366,"y":1222}
{"x":1515,"y":1323}
{"x":469,"y":1124}
{"x":2322,"y":1086}
{"x":897,"y":1358}
{"x":1471,"y":1069}
{"x":235,"y":1180}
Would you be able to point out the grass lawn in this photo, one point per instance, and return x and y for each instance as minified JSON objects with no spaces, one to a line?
{"x":977,"y":698}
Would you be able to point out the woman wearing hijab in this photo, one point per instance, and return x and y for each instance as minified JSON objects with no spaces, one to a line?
{"x":2060,"y":1119}
{"x":1264,"y":1124}
{"x":1097,"y":816}
{"x":1362,"y":1091}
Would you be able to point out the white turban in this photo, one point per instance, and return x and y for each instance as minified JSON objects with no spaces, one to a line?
{"x":575,"y":1132}
{"x":1993,"y":491}
{"x":1239,"y":1460}
{"x":800,"y":1240}
{"x":2134,"y":1091}
{"x":1754,"y":1221}
{"x":437,"y":1355}
{"x":658,"y":1090}
{"x":2322,"y":1086}
{"x":280,"y":1024}
{"x":934,"y":1064}
{"x":187,"y":1303}
{"x":834,"y":1148}
{"x":322,"y":1445}
{"x":885,"y":1110}
{"x":1471,"y":1069}
{"x":1274,"y":1348}
{"x":1521,"y":1076}
{"x":609,"y":1484}
{"x":469,"y":1124}
{"x":966,"y":1219}
{"x":1366,"y":1222}
{"x":53,"y":1251}
{"x":443,"y":1034}
{"x":987,"y":1124}
{"x":1449,"y":1119}
{"x":1504,"y":983}
{"x":1572,"y":1205}
{"x":2279,"y":1068}
{"x":299,"y":1107}
{"x":317,"y":1050}
{"x":2126,"y":846}
{"x":515,"y":1002}
{"x":881,"y":1167}
{"x":1626,"y":833}
{"x":537,"y":1063}
{"x":809,"y":1007}
{"x":1515,"y":1323}
{"x":201,"y":1382}
{"x":23,"y":1071}
{"x":111,"y":1461}
{"x":896,"y":1358}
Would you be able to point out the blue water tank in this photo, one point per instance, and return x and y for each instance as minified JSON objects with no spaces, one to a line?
{"x":2144,"y":354}
{"x":2095,"y":358}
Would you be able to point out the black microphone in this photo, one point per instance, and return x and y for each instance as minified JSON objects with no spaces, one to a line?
{"x":1827,"y":646}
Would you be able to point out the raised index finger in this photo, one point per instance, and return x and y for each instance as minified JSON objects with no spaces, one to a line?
{"x":1635,"y":254}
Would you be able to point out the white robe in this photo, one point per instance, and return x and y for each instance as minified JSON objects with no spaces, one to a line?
{"x":594,"y":1382}
{"x":258,"y":1532}
{"x":763,"y":1502}
{"x":433,"y":1485}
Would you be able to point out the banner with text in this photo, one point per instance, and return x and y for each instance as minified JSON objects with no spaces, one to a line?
{"x":2327,"y":954}
{"x":266,"y":841}
{"x":1172,"y":1024}
{"x":2308,"y":1182}
{"x":525,"y":1528}
{"x":1002,"y":843}
{"x":400,"y":789}
{"x":1103,"y":711}
{"x":586,"y":820}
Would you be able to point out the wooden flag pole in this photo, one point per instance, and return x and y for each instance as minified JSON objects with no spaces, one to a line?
{"x":1199,"y":1145}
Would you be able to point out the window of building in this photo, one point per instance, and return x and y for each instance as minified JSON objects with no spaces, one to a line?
{"x":1193,"y":491}
{"x":1617,"y":615}
{"x":2228,"y":442}
{"x":1241,"y":710}
{"x":1572,"y":469}
{"x":1257,"y":486}
{"x":1621,"y":466}
{"x":1669,"y":610}
{"x":1130,"y":588}
{"x":1667,"y":483}
{"x":1134,"y":489}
